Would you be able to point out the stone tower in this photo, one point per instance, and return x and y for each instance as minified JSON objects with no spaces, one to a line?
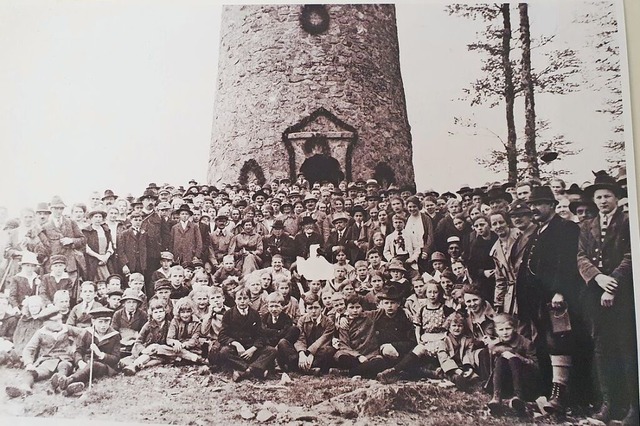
{"x":295,"y":81}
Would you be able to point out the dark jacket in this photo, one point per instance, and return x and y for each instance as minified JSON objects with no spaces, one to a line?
{"x":245,"y":329}
{"x":314,"y":336}
{"x":109,"y":344}
{"x":50,"y":236}
{"x":91,"y":236}
{"x":132,"y":250}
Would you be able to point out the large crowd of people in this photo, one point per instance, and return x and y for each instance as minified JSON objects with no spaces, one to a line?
{"x":523,"y":287}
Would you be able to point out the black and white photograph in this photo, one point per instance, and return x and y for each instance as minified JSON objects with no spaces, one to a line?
{"x":341,"y":213}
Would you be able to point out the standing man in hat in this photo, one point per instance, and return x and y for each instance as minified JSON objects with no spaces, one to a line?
{"x":220,"y":239}
{"x":60,"y":235}
{"x":604,"y":261}
{"x":280,"y":243}
{"x":186,"y":238}
{"x":152,"y":225}
{"x":547,"y":285}
{"x":132,"y":248}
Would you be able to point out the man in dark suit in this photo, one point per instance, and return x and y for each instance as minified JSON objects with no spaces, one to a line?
{"x":278,"y":243}
{"x":151,"y":224}
{"x":547,"y":283}
{"x":132,"y":247}
{"x":604,"y":262}
{"x":338,"y":236}
{"x":357,"y":235}
{"x":307,"y":237}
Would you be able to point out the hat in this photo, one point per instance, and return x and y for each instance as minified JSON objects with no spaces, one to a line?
{"x":465,"y":188}
{"x":42,"y":208}
{"x":518,"y":208}
{"x":508,"y":184}
{"x":11,"y":224}
{"x":372,"y":182}
{"x":438,"y":256}
{"x":114,"y":292}
{"x":543,"y":194}
{"x":57,"y":259}
{"x":258,"y":193}
{"x":603,"y":181}
{"x":390,"y":292}
{"x":197,"y":262}
{"x":136,"y":202}
{"x":285,"y":204}
{"x":29,"y":258}
{"x":152,"y":185}
{"x":101,"y":312}
{"x":148,"y":193}
{"x":453,"y":239}
{"x":359,"y":209}
{"x":574,"y":189}
{"x":166,"y":255}
{"x":109,"y":194}
{"x":294,"y":193}
{"x":162,"y":284}
{"x":221,"y":216}
{"x":497,"y":193}
{"x":340,"y":216}
{"x":309,"y":197}
{"x":431,"y":193}
{"x":131,"y":294}
{"x":164,"y":190}
{"x":48,"y":312}
{"x":374,"y":197}
{"x":278,"y":224}
{"x":393,"y":187}
{"x":582,"y":201}
{"x":135,"y":214}
{"x":97,"y":210}
{"x":184,"y":208}
{"x":396,"y":265}
{"x":478,"y":191}
{"x":164,"y":206}
{"x":307,"y":220}
{"x":56,"y":201}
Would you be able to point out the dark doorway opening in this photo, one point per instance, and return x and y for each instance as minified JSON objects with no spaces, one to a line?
{"x":321,"y":167}
{"x":384,"y":174}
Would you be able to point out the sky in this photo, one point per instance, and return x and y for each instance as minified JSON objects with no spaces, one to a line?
{"x":111,"y":94}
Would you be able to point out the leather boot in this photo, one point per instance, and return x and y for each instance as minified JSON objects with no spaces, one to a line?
{"x":495,"y":405}
{"x":604,"y":415}
{"x":556,"y":403}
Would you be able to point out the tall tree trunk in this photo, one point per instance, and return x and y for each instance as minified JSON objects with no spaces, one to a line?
{"x":509,"y":94}
{"x":530,"y":151}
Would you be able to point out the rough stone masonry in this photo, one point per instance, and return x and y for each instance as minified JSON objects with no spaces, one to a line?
{"x":294,"y":81}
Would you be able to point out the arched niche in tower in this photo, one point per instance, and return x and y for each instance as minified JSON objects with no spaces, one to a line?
{"x":251,"y":172}
{"x":320,"y":132}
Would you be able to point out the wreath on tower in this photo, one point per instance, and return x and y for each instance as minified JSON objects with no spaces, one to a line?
{"x":314,"y":18}
{"x":251,"y":166}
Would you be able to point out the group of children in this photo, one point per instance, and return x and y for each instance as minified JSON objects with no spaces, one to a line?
{"x":369,"y":320}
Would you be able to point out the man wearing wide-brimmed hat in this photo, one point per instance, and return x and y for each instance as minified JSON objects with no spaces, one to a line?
{"x":60,"y":235}
{"x":604,"y":261}
{"x":548,"y":285}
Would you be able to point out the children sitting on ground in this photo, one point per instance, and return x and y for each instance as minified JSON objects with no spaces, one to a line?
{"x":100,"y":343}
{"x":79,"y":315}
{"x":50,"y":350}
{"x":200,"y":279}
{"x":183,"y":333}
{"x":151,"y":345}
{"x":398,"y":279}
{"x":311,"y":352}
{"x":136,"y":282}
{"x":276,"y":324}
{"x":416,"y":300}
{"x":129,"y":320}
{"x":162,"y":289}
{"x":357,"y":342}
{"x":29,"y":322}
{"x":290,"y":306}
{"x":242,"y":343}
{"x":515,"y":366}
{"x":166,"y":260}
{"x":456,"y":352}
{"x":227,"y":270}
{"x":277,"y":271}
{"x":211,"y":325}
{"x":361,"y":278}
{"x":256,"y":294}
{"x":179,"y":287}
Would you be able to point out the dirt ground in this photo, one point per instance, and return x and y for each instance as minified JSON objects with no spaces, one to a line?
{"x":190,"y":395}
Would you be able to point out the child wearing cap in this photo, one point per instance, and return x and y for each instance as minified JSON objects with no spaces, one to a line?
{"x":104,"y":342}
{"x":79,"y":315}
{"x":398,"y":274}
{"x":113,"y":299}
{"x":129,"y":319}
{"x":50,"y":350}
{"x":163,"y":290}
{"x":166,"y":260}
{"x":56,"y":279}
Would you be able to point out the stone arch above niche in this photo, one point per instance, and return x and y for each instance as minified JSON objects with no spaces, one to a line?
{"x":340,"y":137}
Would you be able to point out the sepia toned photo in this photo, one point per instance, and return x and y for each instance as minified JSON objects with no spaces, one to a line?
{"x":409,"y":213}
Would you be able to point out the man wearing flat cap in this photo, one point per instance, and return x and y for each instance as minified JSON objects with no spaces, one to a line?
{"x":604,"y":261}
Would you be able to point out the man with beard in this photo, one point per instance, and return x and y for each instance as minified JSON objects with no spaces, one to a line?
{"x":547,"y":284}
